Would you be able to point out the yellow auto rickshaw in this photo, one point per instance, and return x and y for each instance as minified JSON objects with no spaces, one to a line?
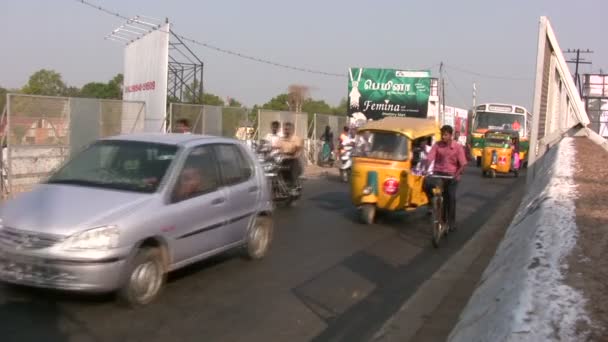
{"x":387,"y":167}
{"x":500,"y":153}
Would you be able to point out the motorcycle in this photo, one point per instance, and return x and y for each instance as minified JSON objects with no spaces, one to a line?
{"x":273,"y":164}
{"x":346,"y":162}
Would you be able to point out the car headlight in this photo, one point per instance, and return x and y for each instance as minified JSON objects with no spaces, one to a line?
{"x":100,"y":238}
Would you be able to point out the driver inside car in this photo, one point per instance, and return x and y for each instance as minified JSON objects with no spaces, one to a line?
{"x":189,"y":184}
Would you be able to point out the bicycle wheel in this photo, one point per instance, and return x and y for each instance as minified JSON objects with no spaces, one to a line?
{"x":437,"y":203}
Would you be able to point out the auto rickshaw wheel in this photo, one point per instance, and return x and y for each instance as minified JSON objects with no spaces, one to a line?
{"x":368,"y":213}
{"x":492,"y":173}
{"x":478,"y":162}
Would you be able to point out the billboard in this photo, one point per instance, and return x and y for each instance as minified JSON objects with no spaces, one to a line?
{"x":376,"y":93}
{"x":596,"y":96}
{"x":596,"y":86}
{"x":457,"y":118}
{"x":146,"y":66}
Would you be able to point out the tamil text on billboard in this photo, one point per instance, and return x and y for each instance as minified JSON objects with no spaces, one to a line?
{"x":376,"y":93}
{"x":145,"y":75}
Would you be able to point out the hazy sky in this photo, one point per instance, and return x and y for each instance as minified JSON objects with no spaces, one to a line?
{"x":496,"y":38}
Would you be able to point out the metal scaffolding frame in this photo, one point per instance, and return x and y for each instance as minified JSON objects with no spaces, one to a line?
{"x":185,"y":74}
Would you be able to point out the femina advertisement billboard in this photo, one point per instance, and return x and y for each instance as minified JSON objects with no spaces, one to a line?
{"x":145,"y":75}
{"x":376,"y":93}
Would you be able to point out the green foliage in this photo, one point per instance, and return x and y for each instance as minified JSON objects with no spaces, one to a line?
{"x":279,"y":102}
{"x":234,"y":103}
{"x":115,"y":87}
{"x":212,"y":100}
{"x":207,"y":98}
{"x":45,"y":82}
{"x":95,"y":90}
{"x":72,"y":92}
{"x":98,"y":90}
{"x":2,"y":98}
{"x":342,"y":108}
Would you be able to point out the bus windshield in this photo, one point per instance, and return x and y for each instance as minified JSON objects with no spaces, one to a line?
{"x":488,"y":120}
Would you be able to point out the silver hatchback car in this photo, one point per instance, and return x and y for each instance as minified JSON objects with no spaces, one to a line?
{"x":127,"y":210}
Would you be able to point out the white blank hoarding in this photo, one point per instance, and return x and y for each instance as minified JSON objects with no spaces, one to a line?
{"x":145,"y":75}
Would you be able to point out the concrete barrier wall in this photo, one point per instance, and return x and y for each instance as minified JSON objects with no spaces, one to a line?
{"x":521,"y":295}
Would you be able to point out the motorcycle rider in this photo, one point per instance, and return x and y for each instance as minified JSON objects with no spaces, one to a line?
{"x":274,"y":135}
{"x":291,"y":147}
{"x":344,"y":139}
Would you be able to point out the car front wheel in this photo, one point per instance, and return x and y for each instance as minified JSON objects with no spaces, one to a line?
{"x":145,"y":278}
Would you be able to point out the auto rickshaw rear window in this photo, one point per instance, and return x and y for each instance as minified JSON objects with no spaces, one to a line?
{"x":385,"y":145}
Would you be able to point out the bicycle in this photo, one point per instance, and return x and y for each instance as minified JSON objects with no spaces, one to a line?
{"x":439,"y":210}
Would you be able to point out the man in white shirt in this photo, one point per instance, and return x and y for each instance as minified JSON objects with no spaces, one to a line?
{"x":274,"y":136}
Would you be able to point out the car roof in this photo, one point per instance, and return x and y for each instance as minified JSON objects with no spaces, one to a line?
{"x":413,"y":128}
{"x":177,"y":139}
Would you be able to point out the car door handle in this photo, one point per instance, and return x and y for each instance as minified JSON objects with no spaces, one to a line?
{"x":218,"y":200}
{"x":253,"y":189}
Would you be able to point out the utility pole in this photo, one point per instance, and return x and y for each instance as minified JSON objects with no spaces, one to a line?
{"x":442,"y":102}
{"x":578,"y":60}
{"x":474,"y":96}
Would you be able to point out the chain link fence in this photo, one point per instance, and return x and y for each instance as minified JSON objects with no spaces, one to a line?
{"x":210,"y":120}
{"x":39,"y":132}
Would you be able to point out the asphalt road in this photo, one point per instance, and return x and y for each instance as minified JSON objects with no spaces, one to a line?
{"x":327,"y":278}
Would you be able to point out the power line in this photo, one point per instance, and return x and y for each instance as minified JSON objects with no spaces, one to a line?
{"x":578,"y":60}
{"x":458,"y":92}
{"x":222,"y":50}
{"x":260,"y":60}
{"x":487,"y":75}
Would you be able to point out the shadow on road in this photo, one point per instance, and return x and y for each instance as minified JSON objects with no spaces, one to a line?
{"x":34,"y":315}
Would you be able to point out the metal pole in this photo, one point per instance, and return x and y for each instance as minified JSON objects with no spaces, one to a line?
{"x":9,"y":169}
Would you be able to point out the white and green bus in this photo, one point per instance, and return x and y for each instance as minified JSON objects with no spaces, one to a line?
{"x":499,"y":116}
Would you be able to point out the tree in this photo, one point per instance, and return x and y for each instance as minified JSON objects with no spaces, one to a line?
{"x":234,"y":103}
{"x":45,"y":82}
{"x":2,"y":98}
{"x":115,"y":87}
{"x":212,"y":100}
{"x":279,"y":102}
{"x":311,"y":106}
{"x":96,"y":90}
{"x":72,"y":92}
{"x":342,"y":108}
{"x":207,"y":99}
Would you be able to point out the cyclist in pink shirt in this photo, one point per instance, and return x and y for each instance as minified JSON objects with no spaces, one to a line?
{"x":449,"y":160}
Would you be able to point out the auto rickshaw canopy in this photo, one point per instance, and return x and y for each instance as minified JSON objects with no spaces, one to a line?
{"x":506,"y":135}
{"x":413,"y":128}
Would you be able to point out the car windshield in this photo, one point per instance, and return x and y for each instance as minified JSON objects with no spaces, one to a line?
{"x":383,"y":145}
{"x":487,"y":120}
{"x":122,"y":165}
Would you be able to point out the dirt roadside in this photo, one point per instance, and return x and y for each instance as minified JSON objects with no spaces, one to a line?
{"x":588,"y":262}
